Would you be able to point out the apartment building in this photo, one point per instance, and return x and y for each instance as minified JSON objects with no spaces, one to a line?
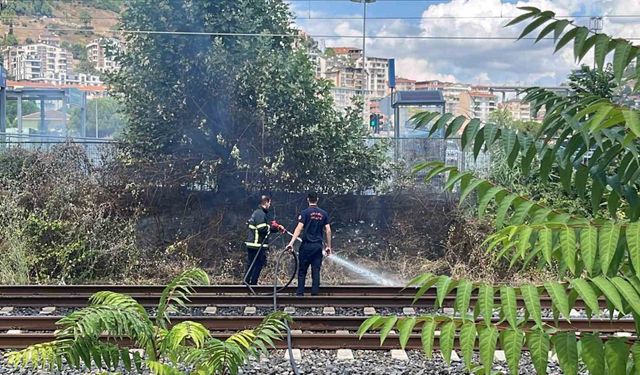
{"x":477,"y":104}
{"x":377,"y":70}
{"x":98,"y":54}
{"x":343,"y":66}
{"x":520,"y":110}
{"x":405,"y":84}
{"x":451,"y":92}
{"x":35,"y":61}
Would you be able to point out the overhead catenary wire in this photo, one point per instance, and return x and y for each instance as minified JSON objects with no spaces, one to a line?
{"x":326,"y":36}
{"x":356,"y":18}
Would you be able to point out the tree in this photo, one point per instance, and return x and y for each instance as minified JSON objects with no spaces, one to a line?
{"x":166,"y":348}
{"x":592,"y":81}
{"x":589,"y":146}
{"x":235,"y":111}
{"x":30,"y":8}
{"x":110,"y":118}
{"x":10,"y":40}
{"x":28,"y":107}
{"x":85,"y":18}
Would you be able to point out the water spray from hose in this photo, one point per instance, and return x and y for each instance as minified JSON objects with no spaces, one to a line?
{"x":359,"y":270}
{"x":363,"y":272}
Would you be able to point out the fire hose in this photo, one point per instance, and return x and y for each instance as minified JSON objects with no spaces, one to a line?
{"x":283,"y":252}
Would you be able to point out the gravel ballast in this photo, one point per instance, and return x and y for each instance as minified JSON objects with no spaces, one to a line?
{"x":321,"y":362}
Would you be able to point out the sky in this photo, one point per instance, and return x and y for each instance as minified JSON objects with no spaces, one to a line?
{"x":509,"y":62}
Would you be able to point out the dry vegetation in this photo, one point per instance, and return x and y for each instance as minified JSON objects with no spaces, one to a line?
{"x":65,"y":16}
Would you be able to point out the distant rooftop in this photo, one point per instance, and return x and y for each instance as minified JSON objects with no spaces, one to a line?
{"x":405,"y":80}
{"x":421,"y":97}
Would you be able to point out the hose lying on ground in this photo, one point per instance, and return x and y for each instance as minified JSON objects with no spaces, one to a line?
{"x":292,"y":360}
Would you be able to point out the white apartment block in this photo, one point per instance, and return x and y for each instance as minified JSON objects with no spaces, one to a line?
{"x":344,"y":69}
{"x":378,"y":76}
{"x":405,"y":84}
{"x":34,"y":61}
{"x":82,"y":79}
{"x":343,"y":97}
{"x":451,"y":92}
{"x":97,"y":53}
{"x":520,"y":110}
{"x":477,"y":104}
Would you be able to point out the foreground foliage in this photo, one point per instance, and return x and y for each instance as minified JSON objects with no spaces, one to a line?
{"x":588,"y":146}
{"x":104,"y":333}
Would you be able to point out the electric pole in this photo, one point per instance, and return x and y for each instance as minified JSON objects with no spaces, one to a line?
{"x":365,"y":76}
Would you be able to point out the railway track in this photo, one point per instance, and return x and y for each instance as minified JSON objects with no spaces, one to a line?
{"x":316,"y":341}
{"x":311,"y":332}
{"x":233,"y":295}
{"x":308,"y":323}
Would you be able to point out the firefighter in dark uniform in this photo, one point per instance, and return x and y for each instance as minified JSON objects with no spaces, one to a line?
{"x":313,"y":225}
{"x":260,"y":225}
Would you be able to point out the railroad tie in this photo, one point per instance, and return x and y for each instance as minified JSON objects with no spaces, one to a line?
{"x":499,"y":356}
{"x":344,"y":355}
{"x":211,"y":310}
{"x":408,"y":311}
{"x":448,"y":311}
{"x":290,"y":310}
{"x":6,"y":310}
{"x":297,"y":354}
{"x":368,"y":311}
{"x":329,"y":310}
{"x":250,"y":310}
{"x":49,"y":310}
{"x":399,"y":354}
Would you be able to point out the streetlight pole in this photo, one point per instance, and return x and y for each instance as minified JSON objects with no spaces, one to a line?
{"x":365,"y":76}
{"x":595,"y":25}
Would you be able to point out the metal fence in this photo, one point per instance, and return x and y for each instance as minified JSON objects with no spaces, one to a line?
{"x":98,"y":150}
{"x":407,"y":152}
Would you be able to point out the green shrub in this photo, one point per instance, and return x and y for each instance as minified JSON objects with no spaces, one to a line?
{"x":65,"y":217}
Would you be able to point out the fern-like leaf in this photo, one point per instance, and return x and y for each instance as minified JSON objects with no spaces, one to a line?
{"x":176,"y":293}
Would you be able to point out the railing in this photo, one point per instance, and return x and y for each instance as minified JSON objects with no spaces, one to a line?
{"x":98,"y":150}
{"x":409,"y":151}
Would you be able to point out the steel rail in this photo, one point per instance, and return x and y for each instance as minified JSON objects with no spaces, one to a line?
{"x":314,"y":323}
{"x":324,"y":341}
{"x":207,"y":299}
{"x":206,"y":289}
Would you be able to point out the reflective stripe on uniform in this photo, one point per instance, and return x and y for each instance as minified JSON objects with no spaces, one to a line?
{"x":256,"y":245}
{"x":258,"y":226}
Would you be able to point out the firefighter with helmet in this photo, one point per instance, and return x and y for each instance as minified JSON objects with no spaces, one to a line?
{"x":260,"y":225}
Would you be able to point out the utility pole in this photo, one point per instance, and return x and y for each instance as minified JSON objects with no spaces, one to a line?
{"x":595,"y":25}
{"x":96,"y":100}
{"x":365,"y":76}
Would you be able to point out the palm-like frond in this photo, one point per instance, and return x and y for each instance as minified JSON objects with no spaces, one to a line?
{"x":221,"y":357}
{"x":46,"y":355}
{"x":217,"y":357}
{"x":159,"y":368}
{"x":92,"y":321}
{"x":119,"y":300}
{"x":177,"y":293}
{"x":173,"y":344}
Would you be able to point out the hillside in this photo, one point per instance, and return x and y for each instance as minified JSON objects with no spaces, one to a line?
{"x":67,"y":18}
